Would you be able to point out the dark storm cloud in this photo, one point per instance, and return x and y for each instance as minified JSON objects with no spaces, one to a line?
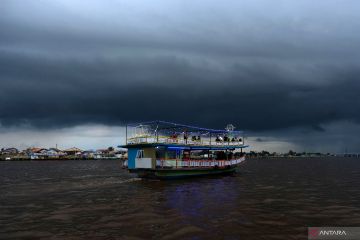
{"x":294,"y":64}
{"x":55,"y":93}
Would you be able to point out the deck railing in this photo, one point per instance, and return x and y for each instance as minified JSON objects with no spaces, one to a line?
{"x":174,"y":163}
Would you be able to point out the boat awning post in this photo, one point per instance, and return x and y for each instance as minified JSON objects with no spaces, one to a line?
{"x":126,"y":134}
{"x":210,"y":139}
{"x":157,"y":132}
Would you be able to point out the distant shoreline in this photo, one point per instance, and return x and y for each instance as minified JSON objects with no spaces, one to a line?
{"x":120,"y":159}
{"x":303,"y":157}
{"x":60,"y":159}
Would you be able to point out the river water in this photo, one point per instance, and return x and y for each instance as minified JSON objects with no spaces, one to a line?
{"x":266,"y":199}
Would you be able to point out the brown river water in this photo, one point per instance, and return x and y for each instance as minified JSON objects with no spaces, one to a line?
{"x":265,"y":199}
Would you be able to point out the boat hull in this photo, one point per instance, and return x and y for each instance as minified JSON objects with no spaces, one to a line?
{"x":182,"y":173}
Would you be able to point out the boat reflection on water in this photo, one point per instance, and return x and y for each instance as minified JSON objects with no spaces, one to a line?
{"x":188,"y":198}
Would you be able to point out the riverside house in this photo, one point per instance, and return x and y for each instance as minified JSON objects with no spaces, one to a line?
{"x":9,"y":151}
{"x":73,"y":153}
{"x":38,"y":153}
{"x":43,"y":153}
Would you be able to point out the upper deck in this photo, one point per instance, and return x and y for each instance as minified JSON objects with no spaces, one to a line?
{"x":172,"y":135}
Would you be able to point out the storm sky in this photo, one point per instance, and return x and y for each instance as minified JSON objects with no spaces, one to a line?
{"x":287,"y":72}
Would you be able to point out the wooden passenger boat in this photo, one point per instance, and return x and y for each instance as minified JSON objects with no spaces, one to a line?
{"x":166,"y":150}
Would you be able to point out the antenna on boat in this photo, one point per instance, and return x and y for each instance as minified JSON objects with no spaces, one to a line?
{"x":229,"y":128}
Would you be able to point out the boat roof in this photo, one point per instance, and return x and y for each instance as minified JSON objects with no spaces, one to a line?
{"x":171,"y":135}
{"x":163,"y":125}
{"x":183,"y":146}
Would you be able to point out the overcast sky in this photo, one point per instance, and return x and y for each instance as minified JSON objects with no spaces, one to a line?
{"x":287,"y":72}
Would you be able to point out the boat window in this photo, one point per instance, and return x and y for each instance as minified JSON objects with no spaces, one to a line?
{"x":186,"y":154}
{"x":171,"y":154}
{"x":199,"y":154}
{"x":220,"y":155}
{"x":140,"y":154}
{"x":160,"y":153}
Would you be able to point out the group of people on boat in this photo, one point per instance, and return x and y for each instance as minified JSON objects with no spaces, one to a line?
{"x":193,"y":138}
{"x":227,"y":139}
{"x":218,"y":139}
